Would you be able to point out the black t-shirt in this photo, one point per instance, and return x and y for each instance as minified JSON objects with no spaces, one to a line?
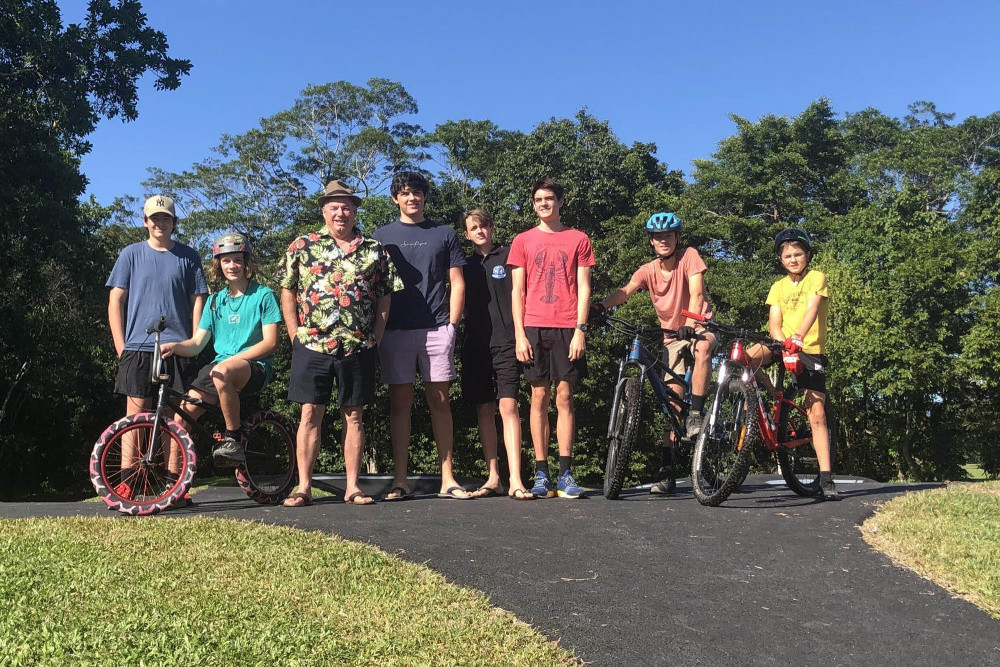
{"x":488,"y":318}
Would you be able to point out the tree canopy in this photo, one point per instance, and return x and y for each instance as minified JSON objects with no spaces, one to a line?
{"x":903,"y":213}
{"x":56,"y":81}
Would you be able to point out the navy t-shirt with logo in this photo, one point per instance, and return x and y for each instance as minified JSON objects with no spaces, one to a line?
{"x":423,"y":254}
{"x":488,"y":318}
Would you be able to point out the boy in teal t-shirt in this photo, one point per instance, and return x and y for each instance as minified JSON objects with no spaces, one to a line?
{"x":243,"y":319}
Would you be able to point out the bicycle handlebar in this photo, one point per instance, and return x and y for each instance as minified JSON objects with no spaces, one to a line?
{"x":634,"y":329}
{"x":160,"y":325}
{"x":731,"y":331}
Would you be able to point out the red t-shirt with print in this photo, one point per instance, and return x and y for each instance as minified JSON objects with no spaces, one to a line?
{"x":550,"y":261}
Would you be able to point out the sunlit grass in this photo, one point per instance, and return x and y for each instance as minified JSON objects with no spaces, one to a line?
{"x":107,"y":591}
{"x":950,"y":536}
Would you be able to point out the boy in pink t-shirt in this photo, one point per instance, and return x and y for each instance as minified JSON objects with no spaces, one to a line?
{"x":675,"y":282}
{"x":550,"y":274}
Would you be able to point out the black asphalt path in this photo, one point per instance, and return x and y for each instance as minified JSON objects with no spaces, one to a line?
{"x":767,"y":579}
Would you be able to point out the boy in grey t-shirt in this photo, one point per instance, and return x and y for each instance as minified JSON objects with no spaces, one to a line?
{"x":155,"y":278}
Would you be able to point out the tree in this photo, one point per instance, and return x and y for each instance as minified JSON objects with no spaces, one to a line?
{"x":262,"y":182}
{"x":55,"y":83}
{"x":903,"y":215}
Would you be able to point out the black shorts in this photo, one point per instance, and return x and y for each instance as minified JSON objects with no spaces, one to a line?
{"x":313,"y":374}
{"x":550,"y":348}
{"x":490,"y":373}
{"x":815,"y":375}
{"x":204,"y":384}
{"x":135,"y":373}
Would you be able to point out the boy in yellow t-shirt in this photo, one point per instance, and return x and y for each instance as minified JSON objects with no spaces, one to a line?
{"x":798,"y":318}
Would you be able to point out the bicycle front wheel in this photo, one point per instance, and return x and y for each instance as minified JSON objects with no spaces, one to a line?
{"x":623,"y":441}
{"x":269,"y":473}
{"x":126,"y":481}
{"x":725,"y":446}
{"x":799,"y":464}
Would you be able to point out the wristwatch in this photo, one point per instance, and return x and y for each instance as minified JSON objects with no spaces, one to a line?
{"x":582,"y":327}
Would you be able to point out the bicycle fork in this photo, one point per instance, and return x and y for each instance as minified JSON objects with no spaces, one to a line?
{"x":633,"y":359}
{"x":159,"y":378}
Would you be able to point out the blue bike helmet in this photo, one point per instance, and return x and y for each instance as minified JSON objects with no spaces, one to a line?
{"x":663,"y":222}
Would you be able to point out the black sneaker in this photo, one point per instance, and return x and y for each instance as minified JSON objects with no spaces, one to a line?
{"x":694,"y":422}
{"x":229,"y":452}
{"x":829,"y":490}
{"x":667,"y":484}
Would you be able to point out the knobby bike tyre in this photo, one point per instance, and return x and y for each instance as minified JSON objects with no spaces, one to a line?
{"x":800,"y":465}
{"x":725,"y":447}
{"x":270,"y":472}
{"x":128,"y":485}
{"x":623,"y":442}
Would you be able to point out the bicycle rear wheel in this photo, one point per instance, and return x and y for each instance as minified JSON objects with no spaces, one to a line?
{"x":626,"y":435}
{"x":799,"y":465}
{"x":269,"y":473}
{"x":726,"y":444}
{"x":129,"y":485}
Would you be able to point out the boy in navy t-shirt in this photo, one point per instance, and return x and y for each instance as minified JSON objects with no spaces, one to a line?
{"x":421,"y":327}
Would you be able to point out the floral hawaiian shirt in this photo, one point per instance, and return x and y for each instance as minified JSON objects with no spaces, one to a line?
{"x":336,"y":291}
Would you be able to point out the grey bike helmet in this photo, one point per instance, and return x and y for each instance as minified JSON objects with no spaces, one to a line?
{"x":228,"y":243}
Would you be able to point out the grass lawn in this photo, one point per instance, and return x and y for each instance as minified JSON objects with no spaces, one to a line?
{"x":950,"y":536}
{"x":107,"y":591}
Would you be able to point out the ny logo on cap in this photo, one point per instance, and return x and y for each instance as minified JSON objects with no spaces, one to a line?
{"x":159,"y":201}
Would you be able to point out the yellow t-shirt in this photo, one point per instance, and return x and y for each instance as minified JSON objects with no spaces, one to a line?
{"x":792,"y":298}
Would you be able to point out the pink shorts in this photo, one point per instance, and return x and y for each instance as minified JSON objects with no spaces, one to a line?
{"x":432,"y":350}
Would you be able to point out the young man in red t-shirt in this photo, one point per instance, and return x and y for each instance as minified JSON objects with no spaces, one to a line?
{"x":551,"y":267}
{"x":675,"y":282}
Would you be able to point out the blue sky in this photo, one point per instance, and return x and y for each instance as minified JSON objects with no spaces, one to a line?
{"x":664,"y":72}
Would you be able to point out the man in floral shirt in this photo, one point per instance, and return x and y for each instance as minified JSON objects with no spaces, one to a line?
{"x":335,"y":295}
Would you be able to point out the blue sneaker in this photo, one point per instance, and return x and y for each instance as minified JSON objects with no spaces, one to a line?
{"x":542,"y":487}
{"x":567,"y":487}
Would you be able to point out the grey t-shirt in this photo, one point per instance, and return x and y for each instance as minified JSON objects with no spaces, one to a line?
{"x":159,"y":284}
{"x":423,"y":253}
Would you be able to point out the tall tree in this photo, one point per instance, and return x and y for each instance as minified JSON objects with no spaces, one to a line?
{"x":264,"y":180}
{"x":55,"y":83}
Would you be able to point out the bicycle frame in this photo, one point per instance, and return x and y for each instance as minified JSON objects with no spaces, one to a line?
{"x":164,"y":394}
{"x":640,"y":358}
{"x":739,"y":362}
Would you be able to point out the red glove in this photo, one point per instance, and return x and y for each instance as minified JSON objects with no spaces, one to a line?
{"x":792,"y":344}
{"x":793,"y":364}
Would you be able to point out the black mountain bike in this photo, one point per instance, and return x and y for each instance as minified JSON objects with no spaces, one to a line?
{"x":145,"y":463}
{"x":637,"y":366}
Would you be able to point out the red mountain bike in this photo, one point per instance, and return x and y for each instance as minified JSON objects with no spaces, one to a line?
{"x":738,"y":424}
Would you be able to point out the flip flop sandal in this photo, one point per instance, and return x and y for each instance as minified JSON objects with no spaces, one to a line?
{"x":450,"y":493}
{"x":358,"y":494}
{"x":490,"y":492}
{"x":398,"y":494}
{"x":291,"y":501}
{"x":522,"y":494}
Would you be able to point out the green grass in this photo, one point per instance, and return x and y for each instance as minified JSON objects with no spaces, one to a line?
{"x":103,"y":591}
{"x":950,"y":536}
{"x":974,"y":471}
